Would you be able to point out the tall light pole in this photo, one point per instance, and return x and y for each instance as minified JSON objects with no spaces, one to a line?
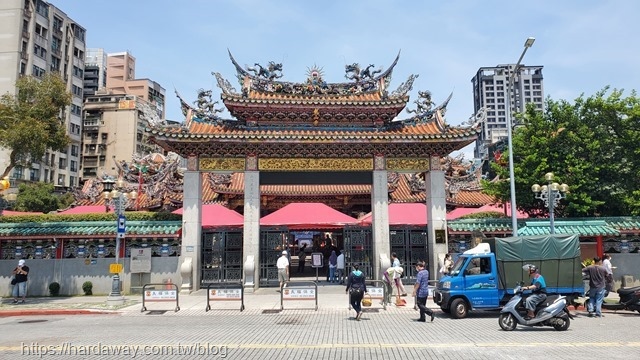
{"x":119,"y":200}
{"x":551,"y":194}
{"x":512,"y":180}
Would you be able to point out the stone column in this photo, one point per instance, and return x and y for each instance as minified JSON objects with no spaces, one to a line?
{"x":191,"y":231}
{"x":436,"y":215}
{"x":380,"y":217}
{"x":251,"y":231}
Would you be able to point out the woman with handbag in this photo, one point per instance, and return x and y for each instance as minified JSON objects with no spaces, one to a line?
{"x":20,"y":278}
{"x":356,"y":288}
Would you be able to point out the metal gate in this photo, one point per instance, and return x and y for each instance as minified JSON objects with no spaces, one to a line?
{"x":272,"y":242}
{"x":358,"y":249}
{"x":221,"y":257}
{"x":410,"y":244}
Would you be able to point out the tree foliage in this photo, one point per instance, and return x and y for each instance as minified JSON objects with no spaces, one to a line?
{"x":37,"y":197}
{"x":591,"y":145}
{"x":31,"y":121}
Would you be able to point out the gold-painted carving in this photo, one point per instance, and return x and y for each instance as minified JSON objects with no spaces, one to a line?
{"x":409,"y":164}
{"x":307,"y":164}
{"x":232,"y":164}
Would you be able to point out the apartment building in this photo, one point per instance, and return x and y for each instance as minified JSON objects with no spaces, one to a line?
{"x":113,"y":130}
{"x":36,"y":38}
{"x":490,"y":90}
{"x":95,"y":71}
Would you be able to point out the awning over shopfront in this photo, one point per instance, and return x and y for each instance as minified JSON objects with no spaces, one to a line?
{"x":216,"y":215}
{"x":402,"y":214}
{"x":308,"y":216}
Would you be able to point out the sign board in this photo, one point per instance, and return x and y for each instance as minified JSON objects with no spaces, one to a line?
{"x":317,"y":260}
{"x":122,"y":226}
{"x":140,"y":260}
{"x":161,"y":295}
{"x":375,"y":292}
{"x":115,"y":268}
{"x":299,"y":293}
{"x":225,"y":294}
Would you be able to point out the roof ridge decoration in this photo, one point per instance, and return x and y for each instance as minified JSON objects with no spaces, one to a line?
{"x":263,"y":79}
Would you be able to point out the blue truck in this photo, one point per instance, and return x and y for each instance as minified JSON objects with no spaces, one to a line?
{"x":483,"y":277}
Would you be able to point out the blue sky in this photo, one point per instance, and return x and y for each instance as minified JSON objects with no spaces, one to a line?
{"x":584,"y":45}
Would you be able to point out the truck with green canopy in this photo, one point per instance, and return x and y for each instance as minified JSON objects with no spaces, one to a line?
{"x":483,"y":278}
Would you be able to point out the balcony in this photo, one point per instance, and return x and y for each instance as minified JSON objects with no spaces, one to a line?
{"x":57,"y":31}
{"x":28,"y":13}
{"x":24,"y":55}
{"x":25,"y":34}
{"x":56,"y":52}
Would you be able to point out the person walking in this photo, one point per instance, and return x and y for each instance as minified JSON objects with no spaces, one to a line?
{"x":356,"y":288}
{"x":340,"y":268}
{"x":333,"y":264}
{"x":283,"y":269}
{"x":20,"y":274}
{"x":421,"y":292}
{"x":606,"y":263}
{"x":597,"y":283}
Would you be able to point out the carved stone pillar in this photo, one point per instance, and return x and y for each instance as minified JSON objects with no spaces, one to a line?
{"x":191,"y":231}
{"x":251,"y":231}
{"x":380,"y":216}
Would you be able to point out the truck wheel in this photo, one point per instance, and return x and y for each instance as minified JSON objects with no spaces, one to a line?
{"x":507,"y":322}
{"x":562,"y":323}
{"x":459,"y":309}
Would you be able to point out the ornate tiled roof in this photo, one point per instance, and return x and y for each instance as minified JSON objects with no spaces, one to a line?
{"x":90,"y":229}
{"x":582,"y":227}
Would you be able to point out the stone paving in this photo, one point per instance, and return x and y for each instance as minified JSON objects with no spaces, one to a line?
{"x":329,"y":332}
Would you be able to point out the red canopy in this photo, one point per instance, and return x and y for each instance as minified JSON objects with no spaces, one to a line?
{"x":216,"y":215}
{"x":85,"y":209}
{"x":402,"y":214}
{"x":460,"y":212}
{"x":500,"y":209}
{"x":308,"y":216}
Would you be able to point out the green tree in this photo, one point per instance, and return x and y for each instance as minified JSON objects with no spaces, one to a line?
{"x":31,"y":121}
{"x":37,"y":197}
{"x":591,"y":145}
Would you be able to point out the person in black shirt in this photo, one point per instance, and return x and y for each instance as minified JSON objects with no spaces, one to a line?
{"x":356,"y":288}
{"x":20,"y":276}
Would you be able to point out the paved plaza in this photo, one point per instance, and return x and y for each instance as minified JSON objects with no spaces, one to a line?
{"x":262,"y":331}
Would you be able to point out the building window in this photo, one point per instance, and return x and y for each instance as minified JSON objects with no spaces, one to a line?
{"x":41,"y":30}
{"x":74,"y":165}
{"x":42,"y":8}
{"x":74,"y":150}
{"x":72,"y":181}
{"x":61,"y":179}
{"x":78,"y":53}
{"x":76,"y":110}
{"x":40,"y":52}
{"x":77,"y":72}
{"x":34,"y":175}
{"x":76,"y":90}
{"x":79,"y":33}
{"x":18,"y":172}
{"x":38,"y":71}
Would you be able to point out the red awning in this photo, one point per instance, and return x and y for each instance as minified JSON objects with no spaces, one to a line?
{"x":308,"y":216}
{"x":85,"y":209}
{"x":216,"y":215}
{"x":403,"y":214}
{"x":460,"y":212}
{"x":501,"y":209}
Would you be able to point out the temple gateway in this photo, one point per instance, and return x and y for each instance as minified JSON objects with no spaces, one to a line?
{"x":312,"y":133}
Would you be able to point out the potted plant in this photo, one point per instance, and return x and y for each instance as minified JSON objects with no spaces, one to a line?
{"x":87,"y":287}
{"x":54,"y":289}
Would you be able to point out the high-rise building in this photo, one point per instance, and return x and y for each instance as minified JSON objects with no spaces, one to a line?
{"x":490,"y":90}
{"x":95,"y":71}
{"x":36,"y":38}
{"x":121,"y":79}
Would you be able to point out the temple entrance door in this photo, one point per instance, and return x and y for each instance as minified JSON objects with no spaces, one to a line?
{"x":221,"y":256}
{"x":358,"y":249}
{"x":272,"y":241}
{"x":410,"y":244}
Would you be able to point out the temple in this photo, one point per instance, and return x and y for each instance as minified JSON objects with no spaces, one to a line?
{"x":312,"y":133}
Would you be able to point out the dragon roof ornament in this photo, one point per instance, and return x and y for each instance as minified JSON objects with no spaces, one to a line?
{"x":263,"y":78}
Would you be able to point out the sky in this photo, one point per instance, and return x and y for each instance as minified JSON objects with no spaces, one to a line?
{"x":584,"y":45}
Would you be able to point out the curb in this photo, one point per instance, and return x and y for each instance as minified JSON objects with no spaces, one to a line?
{"x":28,"y":312}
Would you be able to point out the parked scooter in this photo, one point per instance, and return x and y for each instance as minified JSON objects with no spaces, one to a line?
{"x":551,"y":312}
{"x":629,"y":300}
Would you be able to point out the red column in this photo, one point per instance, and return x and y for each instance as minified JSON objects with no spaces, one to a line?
{"x":599,"y":246}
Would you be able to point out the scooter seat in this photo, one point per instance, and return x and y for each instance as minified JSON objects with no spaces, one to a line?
{"x":628,"y":291}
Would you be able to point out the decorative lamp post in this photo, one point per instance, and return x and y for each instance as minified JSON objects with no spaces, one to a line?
{"x":119,"y":200}
{"x":512,"y":181}
{"x":551,"y":194}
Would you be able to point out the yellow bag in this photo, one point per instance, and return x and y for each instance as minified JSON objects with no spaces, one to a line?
{"x":367,"y":301}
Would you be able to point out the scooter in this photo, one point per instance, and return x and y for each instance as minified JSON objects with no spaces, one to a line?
{"x":551,"y":312}
{"x":629,"y":300}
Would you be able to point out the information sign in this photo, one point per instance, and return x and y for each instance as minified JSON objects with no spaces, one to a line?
{"x":317,"y":260}
{"x":225,"y":294}
{"x":299,"y":293}
{"x":160,"y":295}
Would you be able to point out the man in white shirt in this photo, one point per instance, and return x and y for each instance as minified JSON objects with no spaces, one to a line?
{"x":283,"y":269}
{"x":340,"y":269}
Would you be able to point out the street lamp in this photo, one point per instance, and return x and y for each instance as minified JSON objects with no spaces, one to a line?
{"x":512,"y":180}
{"x":119,"y":200}
{"x":551,"y":194}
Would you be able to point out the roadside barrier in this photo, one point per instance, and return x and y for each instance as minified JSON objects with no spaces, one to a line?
{"x":299,"y":290}
{"x":151,"y":294}
{"x":225,"y":291}
{"x":377,"y":290}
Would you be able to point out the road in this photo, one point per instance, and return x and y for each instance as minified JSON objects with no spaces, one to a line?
{"x":309,"y":334}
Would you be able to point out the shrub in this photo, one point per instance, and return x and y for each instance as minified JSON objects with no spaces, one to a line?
{"x":87,"y":287}
{"x":54,"y":289}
